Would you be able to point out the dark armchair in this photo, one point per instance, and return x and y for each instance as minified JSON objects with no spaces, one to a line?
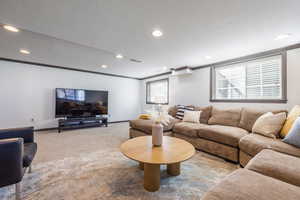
{"x":17,"y":150}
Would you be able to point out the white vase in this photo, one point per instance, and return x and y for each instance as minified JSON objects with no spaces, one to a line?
{"x":157,"y":134}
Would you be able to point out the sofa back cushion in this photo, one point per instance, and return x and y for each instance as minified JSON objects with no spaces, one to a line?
{"x":249,"y":117}
{"x":226,"y":117}
{"x":205,"y":114}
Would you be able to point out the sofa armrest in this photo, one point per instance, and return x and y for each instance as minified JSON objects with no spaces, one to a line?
{"x":26,"y":133}
{"x":11,"y":159}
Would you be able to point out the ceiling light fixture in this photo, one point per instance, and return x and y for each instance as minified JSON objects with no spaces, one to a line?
{"x":104,"y":66}
{"x":157,"y":33}
{"x":119,"y":56}
{"x":283,"y":36}
{"x":24,"y":51}
{"x":208,"y":57}
{"x":165,"y":68}
{"x":11,"y":28}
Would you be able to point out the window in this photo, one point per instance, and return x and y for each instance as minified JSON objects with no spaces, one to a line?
{"x":260,"y":80}
{"x":157,"y":92}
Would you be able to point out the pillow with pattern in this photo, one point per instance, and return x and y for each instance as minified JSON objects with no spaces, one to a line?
{"x":181,"y":109}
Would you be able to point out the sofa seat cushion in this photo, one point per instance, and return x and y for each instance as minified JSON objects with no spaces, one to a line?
{"x":29,"y":153}
{"x":188,"y":128}
{"x":146,"y":125}
{"x":252,"y":144}
{"x":223,"y":134}
{"x":244,"y":184}
{"x":277,"y":165}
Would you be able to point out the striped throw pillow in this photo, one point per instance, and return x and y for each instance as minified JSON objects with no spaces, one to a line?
{"x":181,"y":109}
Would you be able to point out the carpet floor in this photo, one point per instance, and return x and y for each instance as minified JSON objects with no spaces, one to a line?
{"x":87,"y":165}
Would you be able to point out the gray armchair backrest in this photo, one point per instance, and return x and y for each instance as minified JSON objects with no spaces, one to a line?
{"x":11,"y":161}
{"x":25,"y":133}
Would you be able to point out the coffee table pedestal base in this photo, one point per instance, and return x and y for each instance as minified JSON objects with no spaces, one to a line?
{"x":151,"y":177}
{"x":173,"y":169}
{"x":152,"y":174}
{"x":141,"y":165}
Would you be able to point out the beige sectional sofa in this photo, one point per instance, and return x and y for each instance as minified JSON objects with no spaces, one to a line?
{"x":224,"y":133}
{"x":272,"y":167}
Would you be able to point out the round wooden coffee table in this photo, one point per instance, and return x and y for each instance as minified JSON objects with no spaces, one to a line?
{"x":172,"y":152}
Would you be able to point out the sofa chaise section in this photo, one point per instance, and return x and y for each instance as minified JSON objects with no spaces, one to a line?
{"x":252,"y":144}
{"x":277,"y":165}
{"x":244,"y":184}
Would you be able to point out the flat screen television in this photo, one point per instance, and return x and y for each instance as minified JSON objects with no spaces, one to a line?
{"x":80,"y":103}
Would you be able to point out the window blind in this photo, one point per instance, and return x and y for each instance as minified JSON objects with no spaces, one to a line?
{"x":257,"y":79}
{"x":157,"y":92}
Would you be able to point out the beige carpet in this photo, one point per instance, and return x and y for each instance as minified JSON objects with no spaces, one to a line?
{"x":87,"y":165}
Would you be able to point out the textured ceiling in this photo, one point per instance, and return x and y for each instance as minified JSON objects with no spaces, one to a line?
{"x":87,"y":34}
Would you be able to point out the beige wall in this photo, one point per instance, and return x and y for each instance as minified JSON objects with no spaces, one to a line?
{"x":194,"y":89}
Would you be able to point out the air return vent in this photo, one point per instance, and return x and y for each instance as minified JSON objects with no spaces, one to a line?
{"x":135,"y":60}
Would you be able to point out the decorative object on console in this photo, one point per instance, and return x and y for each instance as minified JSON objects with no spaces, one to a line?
{"x":269,"y":124}
{"x":192,"y":116}
{"x":293,"y":137}
{"x":292,"y":116}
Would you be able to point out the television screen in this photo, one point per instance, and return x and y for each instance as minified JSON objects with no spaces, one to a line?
{"x":80,"y":103}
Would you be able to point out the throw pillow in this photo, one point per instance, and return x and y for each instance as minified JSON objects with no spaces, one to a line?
{"x":293,"y":115}
{"x":192,"y":116}
{"x":269,"y":124}
{"x":293,"y":137}
{"x":145,"y":116}
{"x":181,"y":109}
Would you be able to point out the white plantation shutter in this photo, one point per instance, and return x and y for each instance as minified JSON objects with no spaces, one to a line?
{"x":157,"y":91}
{"x":258,"y":79}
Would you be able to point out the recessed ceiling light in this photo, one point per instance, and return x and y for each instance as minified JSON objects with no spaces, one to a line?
{"x":24,"y":51}
{"x":104,"y":66}
{"x":11,"y":28}
{"x":165,"y":68}
{"x":119,"y":56}
{"x":282,"y":36}
{"x":208,"y":57}
{"x":157,"y":33}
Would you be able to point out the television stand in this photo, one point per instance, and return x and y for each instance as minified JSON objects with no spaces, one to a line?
{"x":81,"y":122}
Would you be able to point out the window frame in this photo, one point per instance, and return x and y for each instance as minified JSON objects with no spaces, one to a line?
{"x":147,"y":92}
{"x":283,"y":99}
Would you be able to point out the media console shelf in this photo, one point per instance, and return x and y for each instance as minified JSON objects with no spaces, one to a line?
{"x":77,"y":123}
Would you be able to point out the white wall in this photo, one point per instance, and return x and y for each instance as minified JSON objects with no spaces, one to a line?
{"x":194,"y":89}
{"x":28,"y":91}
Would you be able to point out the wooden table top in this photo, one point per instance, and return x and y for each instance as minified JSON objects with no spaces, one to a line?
{"x":173,"y":150}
